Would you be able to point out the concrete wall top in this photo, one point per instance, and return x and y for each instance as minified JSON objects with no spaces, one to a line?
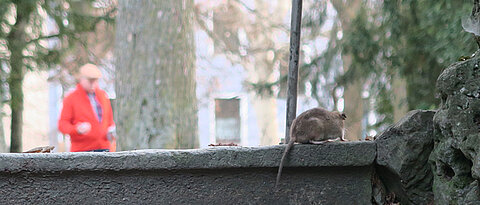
{"x":335,"y":154}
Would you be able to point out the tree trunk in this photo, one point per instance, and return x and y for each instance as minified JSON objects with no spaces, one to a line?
{"x":354,"y":109}
{"x":3,"y":145}
{"x":353,"y":104}
{"x":262,"y":69}
{"x":265,"y":105}
{"x":400,"y":105}
{"x":16,"y":43}
{"x":156,"y":105}
{"x":352,"y":95}
{"x":16,"y":104}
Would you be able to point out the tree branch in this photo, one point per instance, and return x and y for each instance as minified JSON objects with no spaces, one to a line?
{"x":43,"y":38}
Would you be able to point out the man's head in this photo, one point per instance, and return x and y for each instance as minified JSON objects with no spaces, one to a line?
{"x":88,"y":77}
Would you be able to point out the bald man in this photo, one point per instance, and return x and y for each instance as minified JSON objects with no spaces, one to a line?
{"x":87,"y":114}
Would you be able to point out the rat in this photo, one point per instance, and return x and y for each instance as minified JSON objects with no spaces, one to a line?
{"x":314,"y":126}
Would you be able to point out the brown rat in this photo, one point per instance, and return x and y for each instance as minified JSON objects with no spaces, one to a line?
{"x":315,"y":126}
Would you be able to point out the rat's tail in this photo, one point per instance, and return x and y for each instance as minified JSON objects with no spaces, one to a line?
{"x":285,"y":153}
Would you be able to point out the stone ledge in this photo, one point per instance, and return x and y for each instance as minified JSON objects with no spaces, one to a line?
{"x":344,"y":154}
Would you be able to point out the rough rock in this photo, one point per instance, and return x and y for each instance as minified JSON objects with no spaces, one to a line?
{"x":402,"y":165}
{"x":455,"y":158}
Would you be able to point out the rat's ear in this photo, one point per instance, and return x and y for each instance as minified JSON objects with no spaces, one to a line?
{"x":343,"y":116}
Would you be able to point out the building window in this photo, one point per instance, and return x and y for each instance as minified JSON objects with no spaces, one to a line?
{"x":229,"y":120}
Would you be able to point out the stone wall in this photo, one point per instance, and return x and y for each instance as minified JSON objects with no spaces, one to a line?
{"x":334,"y":173}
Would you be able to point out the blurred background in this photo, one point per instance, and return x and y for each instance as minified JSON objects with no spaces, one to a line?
{"x":186,"y":74}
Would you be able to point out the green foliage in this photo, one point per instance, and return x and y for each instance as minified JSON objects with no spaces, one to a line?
{"x":50,"y":27}
{"x":426,"y":36}
{"x":313,"y":19}
{"x":413,"y":39}
{"x":385,"y":107}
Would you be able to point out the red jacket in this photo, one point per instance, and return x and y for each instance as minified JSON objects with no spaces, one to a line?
{"x":77,"y":109}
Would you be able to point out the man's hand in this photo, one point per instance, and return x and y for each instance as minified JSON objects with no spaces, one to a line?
{"x":110,"y":136}
{"x":83,"y":128}
{"x":111,"y":133}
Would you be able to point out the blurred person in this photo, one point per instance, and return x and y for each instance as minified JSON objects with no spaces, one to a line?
{"x":87,"y":114}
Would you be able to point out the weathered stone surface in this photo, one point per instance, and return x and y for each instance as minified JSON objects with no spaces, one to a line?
{"x":403,"y":150}
{"x":334,"y":173}
{"x":325,"y":155}
{"x":456,"y":156}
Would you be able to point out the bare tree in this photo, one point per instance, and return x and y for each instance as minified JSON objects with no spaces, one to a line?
{"x":247,"y":36}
